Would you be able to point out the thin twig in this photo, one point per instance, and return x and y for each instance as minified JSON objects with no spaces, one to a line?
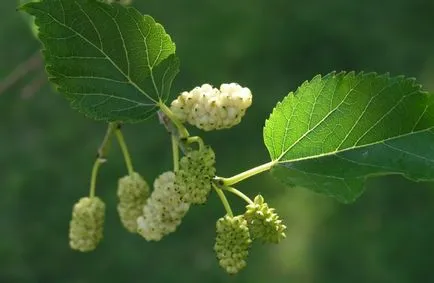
{"x":172,"y":129}
{"x":34,"y":86}
{"x":33,"y":63}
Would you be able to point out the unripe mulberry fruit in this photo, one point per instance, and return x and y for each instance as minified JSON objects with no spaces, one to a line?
{"x":210,"y":108}
{"x":263,"y":222}
{"x":195,"y":175}
{"x":132,"y":193}
{"x":164,"y":209}
{"x":86,"y":226}
{"x":232,"y":243}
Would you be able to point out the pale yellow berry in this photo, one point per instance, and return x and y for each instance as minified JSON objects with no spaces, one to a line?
{"x":210,"y":108}
{"x":132,"y":193}
{"x":164,"y":209}
{"x":86,"y":226}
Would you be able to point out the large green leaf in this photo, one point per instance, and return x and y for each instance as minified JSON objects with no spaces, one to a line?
{"x":110,"y":61}
{"x":337,"y":130}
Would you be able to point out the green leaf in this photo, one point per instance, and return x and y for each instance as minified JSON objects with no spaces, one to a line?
{"x":337,"y":130}
{"x":110,"y":61}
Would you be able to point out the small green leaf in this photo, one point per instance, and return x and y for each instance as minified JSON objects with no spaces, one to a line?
{"x":337,"y":130}
{"x":110,"y":61}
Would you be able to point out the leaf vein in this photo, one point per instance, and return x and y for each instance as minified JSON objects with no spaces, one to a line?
{"x":420,"y":117}
{"x":92,"y":77}
{"x":384,"y":116}
{"x":361,"y":115}
{"x":408,"y":152}
{"x":110,"y":95}
{"x":91,"y":22}
{"x":127,"y":56}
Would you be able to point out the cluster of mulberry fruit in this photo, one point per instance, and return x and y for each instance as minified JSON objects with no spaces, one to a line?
{"x":157,"y":213}
{"x":151,"y":215}
{"x":235,"y":234}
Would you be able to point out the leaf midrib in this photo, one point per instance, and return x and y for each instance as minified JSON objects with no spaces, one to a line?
{"x":151,"y":67}
{"x":391,"y":170}
{"x":356,"y":147}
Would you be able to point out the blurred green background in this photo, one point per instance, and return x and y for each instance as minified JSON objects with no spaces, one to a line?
{"x":47,"y":150}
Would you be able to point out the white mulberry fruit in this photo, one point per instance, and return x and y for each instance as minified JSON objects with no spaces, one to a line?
{"x":210,"y":108}
{"x":164,"y":209}
{"x":86,"y":226}
{"x":132,"y":193}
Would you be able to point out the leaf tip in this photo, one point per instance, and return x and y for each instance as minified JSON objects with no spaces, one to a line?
{"x":27,"y":7}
